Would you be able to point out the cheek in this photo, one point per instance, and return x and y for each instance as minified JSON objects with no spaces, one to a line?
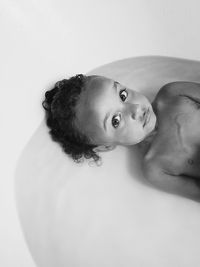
{"x":130,"y":132}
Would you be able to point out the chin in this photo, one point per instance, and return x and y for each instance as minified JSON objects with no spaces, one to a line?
{"x":152,"y":123}
{"x":132,"y":143}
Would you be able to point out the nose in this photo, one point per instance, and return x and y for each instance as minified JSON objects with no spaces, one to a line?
{"x":137,"y":112}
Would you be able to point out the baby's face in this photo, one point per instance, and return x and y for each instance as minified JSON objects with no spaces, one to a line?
{"x":112,"y":114}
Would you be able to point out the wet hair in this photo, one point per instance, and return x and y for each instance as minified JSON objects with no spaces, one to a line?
{"x":59,"y":105}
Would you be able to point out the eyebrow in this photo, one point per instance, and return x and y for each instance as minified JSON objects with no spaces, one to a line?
{"x":115,"y":85}
{"x":108,"y":114}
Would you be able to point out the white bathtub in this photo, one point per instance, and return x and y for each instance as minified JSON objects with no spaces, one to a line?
{"x":43,"y":42}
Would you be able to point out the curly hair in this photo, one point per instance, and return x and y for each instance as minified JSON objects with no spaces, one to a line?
{"x":59,"y":105}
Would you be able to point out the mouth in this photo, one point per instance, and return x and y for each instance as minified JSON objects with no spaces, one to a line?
{"x":147,"y":117}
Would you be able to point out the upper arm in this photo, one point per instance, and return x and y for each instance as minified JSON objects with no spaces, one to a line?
{"x":170,"y":90}
{"x":179,"y":88}
{"x":160,"y":178}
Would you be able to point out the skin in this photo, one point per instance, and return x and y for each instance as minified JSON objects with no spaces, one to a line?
{"x":171,"y":160}
{"x":172,"y":163}
{"x":178,"y":135}
{"x":112,"y":114}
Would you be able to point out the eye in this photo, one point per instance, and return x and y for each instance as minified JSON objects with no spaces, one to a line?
{"x":116,"y":120}
{"x":123,"y":94}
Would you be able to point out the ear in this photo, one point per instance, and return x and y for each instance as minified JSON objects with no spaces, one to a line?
{"x":104,"y":148}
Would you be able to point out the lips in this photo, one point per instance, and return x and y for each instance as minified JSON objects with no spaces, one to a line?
{"x":147,"y":116}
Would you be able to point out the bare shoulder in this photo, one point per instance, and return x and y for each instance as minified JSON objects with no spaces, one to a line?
{"x":164,"y":158}
{"x":157,"y":176}
{"x":179,"y":87}
{"x":152,"y":166}
{"x":165,"y":154}
{"x":167,"y":88}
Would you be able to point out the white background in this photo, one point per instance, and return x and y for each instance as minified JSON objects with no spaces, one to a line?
{"x":43,"y":41}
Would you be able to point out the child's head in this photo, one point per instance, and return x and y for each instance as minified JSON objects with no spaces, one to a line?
{"x":89,"y":114}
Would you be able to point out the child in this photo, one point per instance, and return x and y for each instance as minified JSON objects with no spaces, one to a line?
{"x":89,"y":114}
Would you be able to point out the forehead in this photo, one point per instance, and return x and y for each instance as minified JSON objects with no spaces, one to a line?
{"x":97,"y":82}
{"x":96,"y":88}
{"x":92,"y":103}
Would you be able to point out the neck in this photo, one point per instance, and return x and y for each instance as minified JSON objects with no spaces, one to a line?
{"x":146,"y":143}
